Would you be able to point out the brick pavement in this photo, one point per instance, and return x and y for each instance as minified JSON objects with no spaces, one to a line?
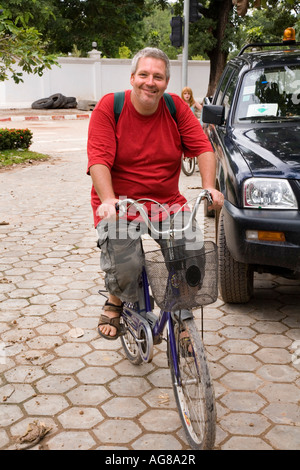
{"x":57,"y":371}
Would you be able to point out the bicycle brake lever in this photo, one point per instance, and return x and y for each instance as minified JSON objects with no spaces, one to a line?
{"x":120,"y":210}
{"x":209,"y":199}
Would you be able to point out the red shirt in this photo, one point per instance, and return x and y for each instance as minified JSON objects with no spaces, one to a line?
{"x":143,"y":152}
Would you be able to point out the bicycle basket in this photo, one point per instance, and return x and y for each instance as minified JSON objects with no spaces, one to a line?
{"x":181,"y":280}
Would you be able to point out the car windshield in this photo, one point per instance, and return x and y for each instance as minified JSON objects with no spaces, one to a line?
{"x":270,"y":94}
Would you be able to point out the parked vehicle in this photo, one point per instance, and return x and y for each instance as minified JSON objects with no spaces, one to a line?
{"x":253,"y":122}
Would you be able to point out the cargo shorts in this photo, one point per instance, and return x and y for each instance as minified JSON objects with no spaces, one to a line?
{"x":122,"y":256}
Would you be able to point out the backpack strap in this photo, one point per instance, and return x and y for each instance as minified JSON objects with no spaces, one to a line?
{"x":119,"y":98}
{"x":171,"y":105}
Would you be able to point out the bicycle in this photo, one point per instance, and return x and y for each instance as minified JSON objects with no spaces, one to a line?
{"x":188,"y":165}
{"x":177,"y":284}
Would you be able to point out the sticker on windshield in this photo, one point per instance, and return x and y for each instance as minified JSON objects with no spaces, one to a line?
{"x":266,"y":109}
{"x":249,"y":90}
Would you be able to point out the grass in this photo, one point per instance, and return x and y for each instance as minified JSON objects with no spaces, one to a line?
{"x":18,"y":156}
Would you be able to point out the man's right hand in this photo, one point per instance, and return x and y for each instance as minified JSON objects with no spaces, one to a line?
{"x":107,"y":210}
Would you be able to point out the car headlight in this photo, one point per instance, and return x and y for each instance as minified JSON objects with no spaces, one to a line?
{"x":269,"y":193}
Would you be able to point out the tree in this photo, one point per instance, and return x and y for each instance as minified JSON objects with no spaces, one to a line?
{"x":267,"y":24}
{"x":21,"y":48}
{"x":242,"y":6}
{"x":65,"y":23}
{"x":157,"y":29}
{"x":81,"y":22}
{"x":214,"y":35}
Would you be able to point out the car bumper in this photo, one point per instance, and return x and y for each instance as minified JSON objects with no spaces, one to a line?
{"x":264,"y":253}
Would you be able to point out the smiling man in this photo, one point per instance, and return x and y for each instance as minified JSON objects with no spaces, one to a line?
{"x":139,"y":156}
{"x":149,"y":81}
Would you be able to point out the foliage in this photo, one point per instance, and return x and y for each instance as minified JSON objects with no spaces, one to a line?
{"x":21,"y":47}
{"x":266,"y":25}
{"x":75,"y":51}
{"x":109,"y":23}
{"x":221,"y":30}
{"x":63,"y":23}
{"x":272,"y":16}
{"x":255,"y":34}
{"x":124,"y":52}
{"x":157,"y":30}
{"x":198,"y":57}
{"x":122,"y":27}
{"x":15,"y":138}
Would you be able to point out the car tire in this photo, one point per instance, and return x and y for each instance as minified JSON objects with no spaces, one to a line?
{"x":235,"y":278}
{"x":70,"y":103}
{"x":70,"y":99}
{"x":44,"y":103}
{"x":58,"y":100}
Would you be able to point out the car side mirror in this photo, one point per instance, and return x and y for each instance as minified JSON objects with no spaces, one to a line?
{"x":213,"y":114}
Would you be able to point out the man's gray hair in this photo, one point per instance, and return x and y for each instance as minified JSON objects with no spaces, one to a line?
{"x":151,"y":52}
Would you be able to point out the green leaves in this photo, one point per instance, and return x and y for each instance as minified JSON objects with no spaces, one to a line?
{"x":21,"y":46}
{"x":15,"y":138}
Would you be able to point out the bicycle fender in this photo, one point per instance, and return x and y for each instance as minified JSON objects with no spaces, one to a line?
{"x":182,"y":314}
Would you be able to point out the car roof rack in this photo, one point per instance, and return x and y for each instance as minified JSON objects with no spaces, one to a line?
{"x":264,"y":44}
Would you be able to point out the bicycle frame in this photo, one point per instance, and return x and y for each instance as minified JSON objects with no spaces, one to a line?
{"x":144,"y":318}
{"x":175,"y":280}
{"x":158,"y":326}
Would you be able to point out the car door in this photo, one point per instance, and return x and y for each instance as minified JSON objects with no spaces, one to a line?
{"x":220,"y":135}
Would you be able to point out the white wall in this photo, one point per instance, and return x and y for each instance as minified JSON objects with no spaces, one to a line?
{"x":90,"y":79}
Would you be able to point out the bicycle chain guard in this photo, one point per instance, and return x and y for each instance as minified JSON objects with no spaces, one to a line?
{"x":140,"y":330}
{"x":145,"y":343}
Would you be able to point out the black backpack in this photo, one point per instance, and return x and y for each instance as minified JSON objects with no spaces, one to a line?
{"x":119,"y":98}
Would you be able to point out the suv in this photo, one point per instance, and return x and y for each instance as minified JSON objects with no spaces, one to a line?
{"x":253,"y":123}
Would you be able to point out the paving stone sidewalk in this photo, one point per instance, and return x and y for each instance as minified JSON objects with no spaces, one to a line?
{"x":55,"y":370}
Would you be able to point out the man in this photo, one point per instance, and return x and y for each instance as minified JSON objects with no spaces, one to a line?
{"x":140,"y":157}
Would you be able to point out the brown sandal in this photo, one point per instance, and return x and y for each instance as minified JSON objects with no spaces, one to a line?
{"x":115,"y":321}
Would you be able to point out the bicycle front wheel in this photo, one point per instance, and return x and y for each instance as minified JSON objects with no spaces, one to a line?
{"x":131,"y":348}
{"x":193,"y":388}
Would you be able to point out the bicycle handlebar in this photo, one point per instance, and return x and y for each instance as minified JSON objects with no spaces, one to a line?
{"x":122,"y":207}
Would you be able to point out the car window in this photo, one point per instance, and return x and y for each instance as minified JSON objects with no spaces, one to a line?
{"x":229,"y":93}
{"x":270,"y":94}
{"x":223,"y":85}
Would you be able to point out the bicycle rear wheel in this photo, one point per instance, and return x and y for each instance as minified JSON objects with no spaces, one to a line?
{"x":193,"y":391}
{"x":188,"y":166}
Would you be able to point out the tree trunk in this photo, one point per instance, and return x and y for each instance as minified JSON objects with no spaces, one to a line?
{"x":218,"y":58}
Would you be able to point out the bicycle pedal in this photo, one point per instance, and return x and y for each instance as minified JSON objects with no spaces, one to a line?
{"x":158,"y":340}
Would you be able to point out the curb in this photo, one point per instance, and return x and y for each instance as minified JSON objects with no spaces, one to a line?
{"x":55,"y":117}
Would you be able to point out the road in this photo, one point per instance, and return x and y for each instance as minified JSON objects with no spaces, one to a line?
{"x":56,"y":370}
